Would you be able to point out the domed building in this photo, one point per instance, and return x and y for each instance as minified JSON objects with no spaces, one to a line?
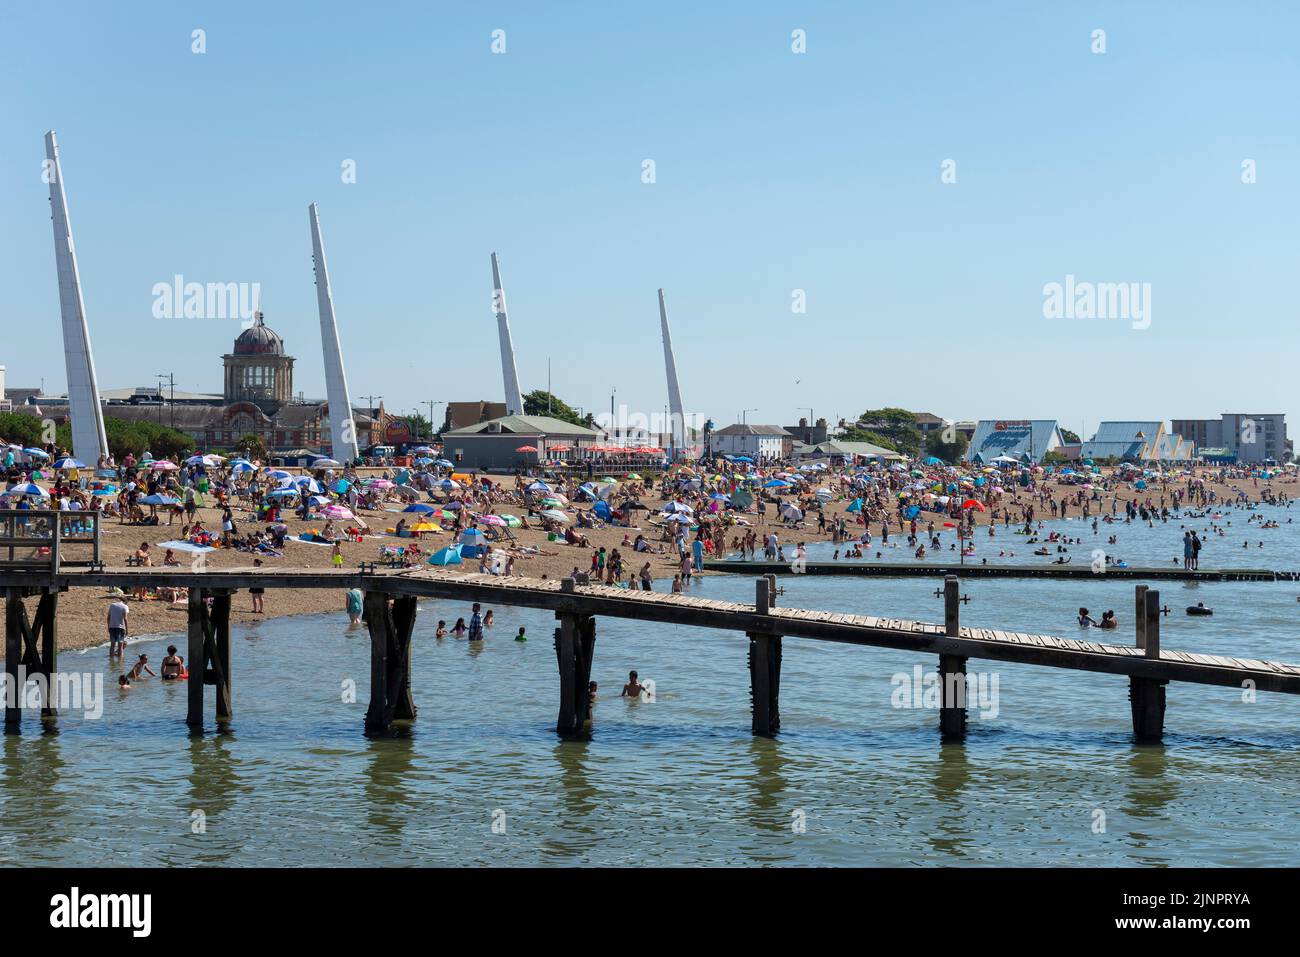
{"x":258,"y":370}
{"x":257,"y":399}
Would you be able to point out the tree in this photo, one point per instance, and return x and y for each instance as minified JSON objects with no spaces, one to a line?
{"x":1070,"y":438}
{"x":896,"y":425}
{"x":253,"y":447}
{"x":950,"y":452}
{"x":420,"y":427}
{"x":855,"y":434}
{"x":541,"y":402}
{"x":144,"y":435}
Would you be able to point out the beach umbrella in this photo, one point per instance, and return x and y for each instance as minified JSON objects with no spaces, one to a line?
{"x":196,"y":460}
{"x":444,"y":464}
{"x":789,"y":511}
{"x":551,"y":502}
{"x":318,"y":501}
{"x":446,"y":556}
{"x":36,"y":453}
{"x":422,"y":448}
{"x":162,"y":465}
{"x":424,"y":461}
{"x":448,"y":485}
{"x":324,"y":463}
{"x":423,"y":507}
{"x":971,"y":503}
{"x":538,"y":486}
{"x":555,"y":515}
{"x":511,"y":521}
{"x":378,"y":483}
{"x":633,"y":477}
{"x":337,"y":511}
{"x":609,"y":479}
{"x":278,"y":474}
{"x":742,"y":458}
{"x":68,"y":463}
{"x":776,"y":483}
{"x":494,"y":520}
{"x":424,"y":527}
{"x":683,"y":519}
{"x":308,"y":484}
{"x":526,"y":448}
{"x":855,"y":506}
{"x":240,"y":468}
{"x":824,"y":495}
{"x":672,"y":507}
{"x":282,"y":493}
{"x":28,"y":488}
{"x":157,"y":499}
{"x":341,"y":486}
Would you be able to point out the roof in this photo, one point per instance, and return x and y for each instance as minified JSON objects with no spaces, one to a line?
{"x":259,"y":339}
{"x":855,"y":448}
{"x":526,"y":425}
{"x":746,"y":429}
{"x":1136,"y":440}
{"x":1018,"y":438}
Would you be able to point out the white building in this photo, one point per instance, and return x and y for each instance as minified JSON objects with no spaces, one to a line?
{"x":759,"y":442}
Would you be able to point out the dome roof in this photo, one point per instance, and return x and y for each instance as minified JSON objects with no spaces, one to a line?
{"x":259,"y":340}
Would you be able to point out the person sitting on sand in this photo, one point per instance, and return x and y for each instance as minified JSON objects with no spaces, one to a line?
{"x":170,"y":559}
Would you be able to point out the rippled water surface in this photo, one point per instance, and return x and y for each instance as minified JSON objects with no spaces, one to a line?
{"x":1052,"y":778}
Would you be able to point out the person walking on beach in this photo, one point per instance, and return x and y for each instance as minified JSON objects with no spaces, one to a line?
{"x":117,"y":627}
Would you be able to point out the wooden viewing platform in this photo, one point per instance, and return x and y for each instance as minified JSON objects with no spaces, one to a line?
{"x":976,"y":570}
{"x":390,"y":603}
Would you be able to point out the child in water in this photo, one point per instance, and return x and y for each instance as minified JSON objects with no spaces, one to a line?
{"x":522,"y":637}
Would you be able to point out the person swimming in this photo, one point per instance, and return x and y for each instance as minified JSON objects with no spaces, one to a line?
{"x":141,"y":666}
{"x":1086,"y":620}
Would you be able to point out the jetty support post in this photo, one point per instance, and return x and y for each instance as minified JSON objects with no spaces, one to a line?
{"x":952,"y":668}
{"x":765,"y":664}
{"x":31,"y":651}
{"x":391,"y":620}
{"x":1147,"y":695}
{"x":575,"y":646}
{"x":209,"y":653}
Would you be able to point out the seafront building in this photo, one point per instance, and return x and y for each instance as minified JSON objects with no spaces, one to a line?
{"x":1026,"y":440}
{"x":1239,"y":437}
{"x":517,"y":441}
{"x":1138,"y":441}
{"x":759,"y":442}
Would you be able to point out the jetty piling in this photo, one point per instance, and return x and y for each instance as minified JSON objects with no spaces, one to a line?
{"x":952,"y":668}
{"x":575,"y":646}
{"x":31,"y":646}
{"x":391,"y":621}
{"x":1147,"y":695}
{"x":209,"y":653}
{"x":765,"y":663}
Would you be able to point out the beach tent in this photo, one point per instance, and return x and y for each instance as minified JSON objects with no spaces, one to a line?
{"x":601,"y":510}
{"x":446,"y":556}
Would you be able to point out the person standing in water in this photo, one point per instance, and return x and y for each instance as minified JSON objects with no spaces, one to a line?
{"x":633,"y":688}
{"x":354,"y":600}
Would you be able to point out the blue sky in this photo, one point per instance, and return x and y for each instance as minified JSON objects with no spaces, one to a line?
{"x":775,"y":172}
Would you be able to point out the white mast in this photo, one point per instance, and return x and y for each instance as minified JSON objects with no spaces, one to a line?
{"x":343,"y":431}
{"x":514,"y":401}
{"x":678,"y":414}
{"x":89,"y":441}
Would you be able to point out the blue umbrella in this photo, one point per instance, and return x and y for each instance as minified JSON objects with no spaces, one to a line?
{"x":742,"y":458}
{"x":28,"y":488}
{"x":69,"y":463}
{"x":282,"y":493}
{"x":444,"y":463}
{"x":446,"y":556}
{"x":776,"y":483}
{"x":341,"y":486}
{"x":40,"y":454}
{"x":157,"y":499}
{"x":420,"y":507}
{"x":243,"y":467}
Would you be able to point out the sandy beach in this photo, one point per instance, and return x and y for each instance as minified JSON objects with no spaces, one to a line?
{"x":82,"y":612}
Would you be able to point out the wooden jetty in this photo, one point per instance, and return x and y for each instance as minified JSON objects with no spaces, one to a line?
{"x":975,"y":570}
{"x":391,"y":597}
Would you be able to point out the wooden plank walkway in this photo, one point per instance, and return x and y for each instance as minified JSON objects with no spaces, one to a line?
{"x":976,"y":570}
{"x":972,"y":642}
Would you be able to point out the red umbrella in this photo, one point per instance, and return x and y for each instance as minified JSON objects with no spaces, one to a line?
{"x":559,"y":448}
{"x":526,"y":448}
{"x":971,"y":503}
